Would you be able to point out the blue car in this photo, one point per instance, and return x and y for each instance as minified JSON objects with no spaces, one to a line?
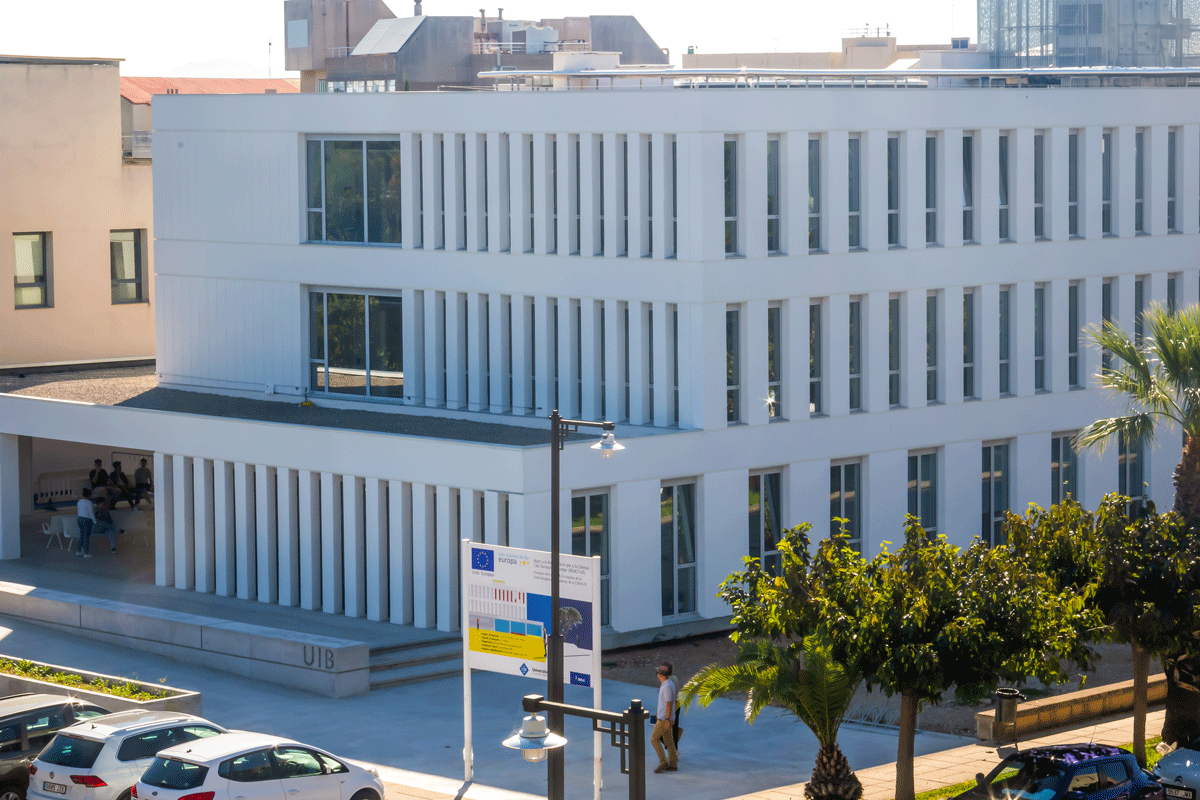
{"x":1067,"y":772}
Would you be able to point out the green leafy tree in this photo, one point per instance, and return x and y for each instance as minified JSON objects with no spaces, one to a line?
{"x":931,"y":617}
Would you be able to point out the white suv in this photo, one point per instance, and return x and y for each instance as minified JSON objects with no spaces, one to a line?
{"x":102,"y":758}
{"x":254,"y":766}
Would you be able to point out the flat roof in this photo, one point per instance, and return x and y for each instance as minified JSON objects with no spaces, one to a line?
{"x":58,"y":60}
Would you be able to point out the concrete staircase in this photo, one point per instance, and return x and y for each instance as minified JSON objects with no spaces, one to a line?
{"x":414,"y":662}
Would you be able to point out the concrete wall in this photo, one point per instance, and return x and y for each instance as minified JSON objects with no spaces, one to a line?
{"x":624,"y":34}
{"x":328,"y":27}
{"x":64,"y":176}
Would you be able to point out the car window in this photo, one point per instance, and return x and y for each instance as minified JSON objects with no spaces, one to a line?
{"x":10,"y":739}
{"x":249,"y":767}
{"x":1020,"y":778}
{"x":187,"y":733}
{"x":332,"y":764}
{"x":1112,"y":773}
{"x":71,"y":751}
{"x":169,"y":773}
{"x":1086,"y":780}
{"x":296,"y":762}
{"x":40,"y":726}
{"x":88,"y":712}
{"x":145,"y":745}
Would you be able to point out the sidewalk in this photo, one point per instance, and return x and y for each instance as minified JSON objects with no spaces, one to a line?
{"x":959,"y":764}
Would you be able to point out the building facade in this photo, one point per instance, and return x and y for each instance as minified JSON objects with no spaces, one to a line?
{"x":797,"y":304}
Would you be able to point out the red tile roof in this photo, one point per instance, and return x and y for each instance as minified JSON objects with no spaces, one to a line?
{"x":140,"y":90}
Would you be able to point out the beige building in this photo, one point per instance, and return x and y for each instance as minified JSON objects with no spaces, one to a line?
{"x":858,"y":53}
{"x":78,"y":216}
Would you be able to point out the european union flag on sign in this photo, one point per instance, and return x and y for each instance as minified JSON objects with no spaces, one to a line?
{"x":483,"y":559}
{"x":580,"y":679}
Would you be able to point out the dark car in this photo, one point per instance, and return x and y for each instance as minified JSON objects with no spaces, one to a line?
{"x":1067,"y":772}
{"x":27,"y":724}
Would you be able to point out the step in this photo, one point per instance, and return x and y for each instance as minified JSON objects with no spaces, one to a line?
{"x":415,"y":673}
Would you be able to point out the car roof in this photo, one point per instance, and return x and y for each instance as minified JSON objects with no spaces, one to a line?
{"x":126,"y":722}
{"x":22,"y":703}
{"x":1072,"y":753}
{"x":215,"y":748}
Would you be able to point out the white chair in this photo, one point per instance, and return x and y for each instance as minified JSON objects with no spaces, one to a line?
{"x":51,"y":535}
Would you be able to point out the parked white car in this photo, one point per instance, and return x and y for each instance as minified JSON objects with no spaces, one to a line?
{"x":1179,"y":771}
{"x":102,"y":758}
{"x":254,"y":766}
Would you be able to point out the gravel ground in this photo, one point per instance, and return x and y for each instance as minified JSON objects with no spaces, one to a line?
{"x":101,"y":386}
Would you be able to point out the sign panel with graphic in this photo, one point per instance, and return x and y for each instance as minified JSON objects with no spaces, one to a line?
{"x":506,"y":594}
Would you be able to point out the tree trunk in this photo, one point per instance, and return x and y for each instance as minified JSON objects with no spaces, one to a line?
{"x":1181,"y":723}
{"x":904,"y":747}
{"x":1141,"y":670}
{"x":832,"y":778}
{"x":1187,"y":483}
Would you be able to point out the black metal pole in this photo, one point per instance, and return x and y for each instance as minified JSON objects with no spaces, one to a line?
{"x":637,"y":750}
{"x":555,"y":766}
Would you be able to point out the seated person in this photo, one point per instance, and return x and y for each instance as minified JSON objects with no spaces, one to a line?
{"x":118,"y":486}
{"x":143,"y":483}
{"x":104,"y":523}
{"x":98,"y":476}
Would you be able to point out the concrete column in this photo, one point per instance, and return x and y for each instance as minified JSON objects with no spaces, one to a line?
{"x":614,"y":360}
{"x":519,"y":200}
{"x":435,"y":347}
{"x":987,"y":349}
{"x":961,"y":519}
{"x":636,"y":246}
{"x":663,"y":412}
{"x":543,"y":353}
{"x":1022,"y":339}
{"x":1124,"y":166}
{"x":949,"y":344}
{"x":409,"y":206}
{"x":1029,"y":470}
{"x":1092,"y":313}
{"x":1156,"y":180}
{"x":589,"y":365}
{"x":912,"y":188}
{"x":635,"y":553}
{"x":754,"y":178}
{"x":452,"y":192}
{"x":1056,"y":155}
{"x":400,"y":552}
{"x":245,"y":531}
{"x":806,"y":495}
{"x":589,"y":194}
{"x":1187,"y":185}
{"x":875,"y":351}
{"x":476,"y":197}
{"x":1091,"y":183}
{"x":456,"y":352}
{"x":476,"y":355}
{"x":24,"y":475}
{"x":377,"y":563}
{"x":185,"y":521}
{"x":267,"y":533}
{"x":639,"y":334}
{"x":424,"y":565}
{"x":354,"y":547}
{"x":308,"y":504}
{"x":1097,"y":474}
{"x":612,"y":211}
{"x":950,"y":187}
{"x":835,"y":188}
{"x":497,"y":195}
{"x":1188,"y":287}
{"x":431,"y":189}
{"x":659,"y":187}
{"x":492,"y":517}
{"x":912,"y":348}
{"x":205,"y":552}
{"x":413,"y":309}
{"x":288,"y":506}
{"x":568,"y":364}
{"x":794,"y":358}
{"x":1020,"y":188}
{"x":497,"y":353}
{"x":224,"y":528}
{"x":517,"y":532}
{"x":874,"y":175}
{"x":721,"y":505}
{"x":164,"y":520}
{"x":331,"y":543}
{"x":10,"y":496}
{"x":987,"y":204}
{"x":886,"y":503}
{"x":567,"y":243}
{"x":836,"y":357}
{"x":447,"y":553}
{"x":522,"y":403}
{"x":1058,"y":332}
{"x":543,"y":215}
{"x":794,"y":147}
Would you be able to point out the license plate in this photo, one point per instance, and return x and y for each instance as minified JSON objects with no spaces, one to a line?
{"x":58,"y":788}
{"x":1179,"y":792}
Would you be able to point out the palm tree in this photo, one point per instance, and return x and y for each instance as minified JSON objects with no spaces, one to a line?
{"x":805,"y":681}
{"x":1160,"y":379}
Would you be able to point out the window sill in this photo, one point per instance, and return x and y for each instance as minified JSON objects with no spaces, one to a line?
{"x":732,"y":256}
{"x":130,"y":302}
{"x":1077,"y":388}
{"x":896,"y":247}
{"x":773,"y":420}
{"x":931,"y":245}
{"x":934,"y":403}
{"x":818,"y":415}
{"x":897,"y":407}
{"x":816,"y":251}
{"x":32,"y":308}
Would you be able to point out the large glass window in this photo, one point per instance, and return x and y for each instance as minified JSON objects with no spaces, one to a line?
{"x":1106,"y":317}
{"x":765,"y":520}
{"x":1139,"y":309}
{"x":31,"y":282}
{"x":922,"y":490}
{"x":1139,"y":181}
{"x":814,"y":193}
{"x":356,"y":344}
{"x":1073,"y":184}
{"x":968,"y":188}
{"x":126,"y":265}
{"x":1172,"y":178}
{"x":931,"y":148}
{"x":1064,"y":468}
{"x":1003,"y":185}
{"x":854,"y":198}
{"x":1106,"y":182}
{"x":339,"y":210}
{"x":1039,"y":338}
{"x":733,"y":365}
{"x":1005,"y":341}
{"x":590,"y":537}
{"x":996,"y":482}
{"x":894,"y":359}
{"x":731,"y":197}
{"x":773,"y":205}
{"x":774,"y":360}
{"x":856,"y":359}
{"x":969,"y":391}
{"x":893,"y":190}
{"x":931,"y":347}
{"x":1073,"y":334}
{"x":678,"y":515}
{"x":815,"y":346}
{"x":845,"y":501}
{"x":1131,"y":472}
{"x":1039,"y":186}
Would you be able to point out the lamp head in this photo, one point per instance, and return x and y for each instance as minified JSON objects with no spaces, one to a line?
{"x":534,"y":739}
{"x":608,"y":444}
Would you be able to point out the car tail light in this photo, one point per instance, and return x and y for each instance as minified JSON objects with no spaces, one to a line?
{"x":33,"y":769}
{"x":88,"y":780}
{"x":199,"y":796}
{"x":133,"y":792}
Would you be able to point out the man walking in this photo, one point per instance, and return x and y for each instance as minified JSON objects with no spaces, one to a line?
{"x":664,"y":728}
{"x":86,"y":518}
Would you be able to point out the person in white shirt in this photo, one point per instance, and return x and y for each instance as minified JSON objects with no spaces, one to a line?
{"x":664,"y":726}
{"x":87,"y":520}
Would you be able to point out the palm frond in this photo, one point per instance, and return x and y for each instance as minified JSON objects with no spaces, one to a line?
{"x":1102,"y":431}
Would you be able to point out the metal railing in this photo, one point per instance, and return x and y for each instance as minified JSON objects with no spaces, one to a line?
{"x":519,"y":48}
{"x":136,"y":144}
{"x":338,"y":52}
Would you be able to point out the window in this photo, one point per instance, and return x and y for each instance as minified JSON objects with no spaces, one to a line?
{"x":733,"y":366}
{"x":894,"y":359}
{"x":125,"y":261}
{"x":31,"y":279}
{"x":815,"y":346}
{"x":678,"y":515}
{"x":773,"y":238}
{"x":1106,"y":182}
{"x":529,"y":193}
{"x":1130,"y":472}
{"x":1106,"y":317}
{"x":1064,"y":468}
{"x":1172,"y":179}
{"x":1039,"y":186}
{"x":774,"y":360}
{"x":590,"y":537}
{"x":856,"y":354}
{"x":814,"y":193}
{"x":995,"y":491}
{"x":765,"y":520}
{"x":1005,"y":340}
{"x":931,"y":236}
{"x":1039,"y":337}
{"x":893,"y":190}
{"x":969,"y":345}
{"x":552,"y":179}
{"x":1139,"y":181}
{"x":356,"y":344}
{"x":1073,"y":184}
{"x":968,"y":188}
{"x":339,"y":210}
{"x":1139,"y":309}
{"x":673,"y":242}
{"x":247,"y":768}
{"x":577,"y":190}
{"x":600,"y":186}
{"x":297,"y":762}
{"x":922,"y":490}
{"x":845,"y":501}
{"x":623,"y":246}
{"x":1172,"y":290}
{"x":931,"y":347}
{"x":1003,"y":183}
{"x":1073,"y":333}
{"x":731,"y":197}
{"x":854,"y":154}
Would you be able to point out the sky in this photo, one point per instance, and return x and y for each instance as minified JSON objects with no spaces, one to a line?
{"x":244,"y":38}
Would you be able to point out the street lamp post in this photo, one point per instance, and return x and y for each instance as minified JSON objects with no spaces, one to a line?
{"x":559,"y":428}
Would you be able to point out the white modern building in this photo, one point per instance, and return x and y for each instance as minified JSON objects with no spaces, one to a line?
{"x":798,"y":303}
